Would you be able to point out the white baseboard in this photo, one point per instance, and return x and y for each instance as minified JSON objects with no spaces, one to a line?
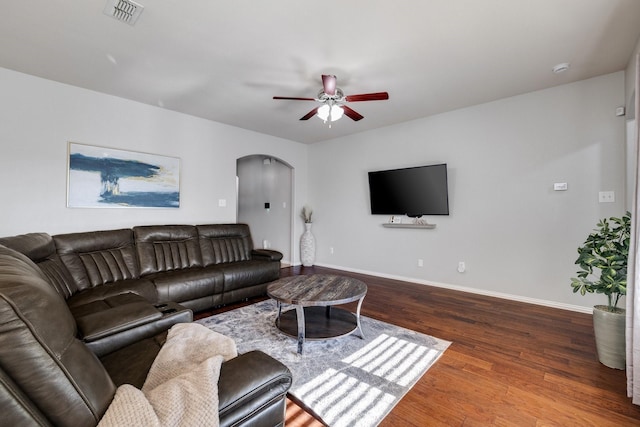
{"x":546,"y":303}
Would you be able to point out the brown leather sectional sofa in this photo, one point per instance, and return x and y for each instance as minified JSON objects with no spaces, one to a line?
{"x":83,"y":313}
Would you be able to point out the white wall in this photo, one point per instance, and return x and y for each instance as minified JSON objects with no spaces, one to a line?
{"x":38,"y":117}
{"x":516,"y":235}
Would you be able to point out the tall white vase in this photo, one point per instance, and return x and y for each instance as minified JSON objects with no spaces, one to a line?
{"x":307,"y":246}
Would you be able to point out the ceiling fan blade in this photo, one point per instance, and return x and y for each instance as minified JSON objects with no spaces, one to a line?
{"x":378,"y":96}
{"x":329,"y":84}
{"x":310,"y":114}
{"x":294,"y":98}
{"x":354,"y":115}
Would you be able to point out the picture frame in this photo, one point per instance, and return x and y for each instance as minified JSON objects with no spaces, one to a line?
{"x":101,"y":177}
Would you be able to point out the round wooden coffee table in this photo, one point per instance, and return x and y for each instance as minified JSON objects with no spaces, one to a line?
{"x":313,"y":297}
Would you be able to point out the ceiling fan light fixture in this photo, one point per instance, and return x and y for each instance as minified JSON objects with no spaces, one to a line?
{"x":332,"y":101}
{"x":330,"y":112}
{"x":336,"y":112}
{"x":323,"y":112}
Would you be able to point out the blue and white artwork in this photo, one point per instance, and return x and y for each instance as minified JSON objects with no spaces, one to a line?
{"x":105,"y":177}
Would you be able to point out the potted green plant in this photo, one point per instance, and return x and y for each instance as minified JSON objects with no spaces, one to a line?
{"x":603,"y":270}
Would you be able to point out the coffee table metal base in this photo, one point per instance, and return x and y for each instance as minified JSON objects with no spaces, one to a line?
{"x":318,"y":323}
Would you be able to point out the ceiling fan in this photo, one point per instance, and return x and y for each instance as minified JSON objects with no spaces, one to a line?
{"x":332,"y":99}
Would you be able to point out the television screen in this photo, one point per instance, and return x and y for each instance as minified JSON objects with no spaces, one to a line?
{"x":411,"y":191}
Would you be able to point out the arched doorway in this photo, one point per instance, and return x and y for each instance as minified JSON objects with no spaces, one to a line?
{"x":265,"y":200}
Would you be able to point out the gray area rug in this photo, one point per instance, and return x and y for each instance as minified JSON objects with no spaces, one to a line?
{"x":346,"y":381}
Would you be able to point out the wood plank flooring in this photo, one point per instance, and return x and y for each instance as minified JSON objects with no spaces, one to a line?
{"x":510,"y":364}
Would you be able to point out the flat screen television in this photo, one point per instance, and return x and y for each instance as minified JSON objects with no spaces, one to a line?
{"x":413,"y":191}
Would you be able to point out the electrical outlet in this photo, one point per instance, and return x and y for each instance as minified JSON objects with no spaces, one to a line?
{"x":420,"y":263}
{"x":607,"y":196}
{"x":331,"y":250}
{"x":461,"y":267}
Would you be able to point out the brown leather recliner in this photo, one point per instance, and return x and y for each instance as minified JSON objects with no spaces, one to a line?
{"x":50,"y":377}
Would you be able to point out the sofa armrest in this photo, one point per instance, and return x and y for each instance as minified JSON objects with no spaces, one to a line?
{"x":169,"y":314}
{"x":266,"y":254}
{"x":253,"y":386}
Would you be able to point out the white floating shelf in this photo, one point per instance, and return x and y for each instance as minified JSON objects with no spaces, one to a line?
{"x":425,"y":226}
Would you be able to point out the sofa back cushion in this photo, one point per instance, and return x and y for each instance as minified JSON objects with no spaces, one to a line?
{"x":40,"y":248}
{"x":36,"y":246}
{"x":167,"y":248}
{"x":98,"y":257}
{"x":52,"y":374}
{"x":223,"y":243}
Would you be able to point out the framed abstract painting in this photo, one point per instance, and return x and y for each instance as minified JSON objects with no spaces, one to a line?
{"x":100,"y":177}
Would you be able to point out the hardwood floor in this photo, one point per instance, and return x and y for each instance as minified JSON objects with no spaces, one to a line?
{"x":510,"y":363}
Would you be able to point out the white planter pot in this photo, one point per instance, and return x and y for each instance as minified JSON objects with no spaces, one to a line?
{"x":307,"y":247}
{"x":609,"y":330}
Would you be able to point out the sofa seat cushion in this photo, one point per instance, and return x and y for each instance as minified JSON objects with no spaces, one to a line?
{"x":141,"y":287}
{"x":81,"y":310}
{"x":185,"y":285}
{"x":245,"y":274}
{"x":130,"y":364}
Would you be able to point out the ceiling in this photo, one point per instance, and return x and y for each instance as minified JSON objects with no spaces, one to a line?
{"x":225,"y":60}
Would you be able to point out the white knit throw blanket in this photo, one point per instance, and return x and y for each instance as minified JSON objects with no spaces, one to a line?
{"x":181,"y":388}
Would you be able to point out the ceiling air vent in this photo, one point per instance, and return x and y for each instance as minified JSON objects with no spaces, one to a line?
{"x":123,"y":10}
